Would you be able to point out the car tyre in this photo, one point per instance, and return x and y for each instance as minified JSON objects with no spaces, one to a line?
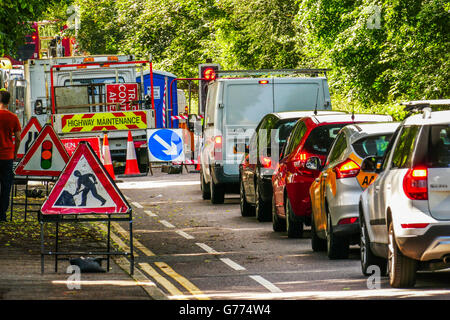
{"x":337,"y":247}
{"x":246,"y":208}
{"x":217,"y":193}
{"x":206,"y":192}
{"x":367,"y":257}
{"x":402,"y":269}
{"x":262,"y":209}
{"x":317,"y":244}
{"x":294,"y":228}
{"x":277,"y":223}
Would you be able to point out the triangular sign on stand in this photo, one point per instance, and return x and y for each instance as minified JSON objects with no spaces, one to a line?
{"x":47,"y":156}
{"x":28,"y":136}
{"x":85,"y":187}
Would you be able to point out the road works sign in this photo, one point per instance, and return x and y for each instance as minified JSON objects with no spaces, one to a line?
{"x":46,"y":156}
{"x":84,"y":187}
{"x":28,"y":136}
{"x":165,"y":145}
{"x":122,"y":93}
{"x":86,"y":122}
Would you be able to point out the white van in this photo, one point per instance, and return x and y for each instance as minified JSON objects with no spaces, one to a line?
{"x":234,"y":107}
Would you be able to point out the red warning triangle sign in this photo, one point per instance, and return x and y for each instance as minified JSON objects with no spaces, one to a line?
{"x":28,"y":136}
{"x":85,"y":187}
{"x":46,"y":156}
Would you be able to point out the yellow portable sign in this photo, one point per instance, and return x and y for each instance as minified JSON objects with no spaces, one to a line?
{"x":101,"y":121}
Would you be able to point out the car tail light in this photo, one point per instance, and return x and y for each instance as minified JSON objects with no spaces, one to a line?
{"x":415,"y":184}
{"x":347,"y":169}
{"x":218,"y":147}
{"x":300,"y":159}
{"x":348,"y":220}
{"x":266,"y":162}
{"x":414,"y":225}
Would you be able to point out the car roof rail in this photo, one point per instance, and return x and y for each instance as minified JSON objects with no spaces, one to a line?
{"x":311,"y":72}
{"x":426,"y":106}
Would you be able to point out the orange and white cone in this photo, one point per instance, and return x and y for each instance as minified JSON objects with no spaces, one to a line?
{"x":131,"y":166}
{"x":107,"y":163}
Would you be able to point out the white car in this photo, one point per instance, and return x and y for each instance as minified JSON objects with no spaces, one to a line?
{"x":405,"y":212}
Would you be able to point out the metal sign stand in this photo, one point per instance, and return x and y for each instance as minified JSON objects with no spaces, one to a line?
{"x":75,"y":218}
{"x":23,"y":180}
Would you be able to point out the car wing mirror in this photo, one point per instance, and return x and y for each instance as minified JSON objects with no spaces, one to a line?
{"x":313,"y":163}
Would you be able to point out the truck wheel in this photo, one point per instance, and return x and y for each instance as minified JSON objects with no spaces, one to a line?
{"x":337,"y":247}
{"x":367,"y":257}
{"x":262,"y":208}
{"x":246,"y":208}
{"x":217,"y":193}
{"x":206,"y":193}
{"x":278,"y":225}
{"x":402,"y":270}
{"x":294,"y":228}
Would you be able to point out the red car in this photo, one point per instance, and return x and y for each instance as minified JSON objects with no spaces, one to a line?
{"x":311,"y":137}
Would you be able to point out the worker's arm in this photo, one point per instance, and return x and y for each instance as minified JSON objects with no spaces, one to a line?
{"x":16,"y":143}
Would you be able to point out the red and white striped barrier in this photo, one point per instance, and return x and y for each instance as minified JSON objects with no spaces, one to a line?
{"x":184,"y":117}
{"x":186,"y":162}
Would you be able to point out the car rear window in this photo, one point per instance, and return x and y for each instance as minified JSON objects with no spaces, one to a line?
{"x":284,"y":129}
{"x":372,"y":146}
{"x":321,"y":138}
{"x":439,"y":146}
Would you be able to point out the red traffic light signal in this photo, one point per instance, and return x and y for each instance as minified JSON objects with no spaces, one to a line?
{"x":209,"y":74}
{"x":46,"y":154}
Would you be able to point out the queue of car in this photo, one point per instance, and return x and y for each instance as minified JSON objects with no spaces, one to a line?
{"x":356,"y":179}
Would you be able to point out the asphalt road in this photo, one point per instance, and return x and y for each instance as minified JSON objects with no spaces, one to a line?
{"x":196,"y":250}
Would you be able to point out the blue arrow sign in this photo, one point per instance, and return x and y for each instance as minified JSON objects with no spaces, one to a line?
{"x":165,"y":145}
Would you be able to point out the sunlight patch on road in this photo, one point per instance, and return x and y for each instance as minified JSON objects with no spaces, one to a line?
{"x":155,"y":184}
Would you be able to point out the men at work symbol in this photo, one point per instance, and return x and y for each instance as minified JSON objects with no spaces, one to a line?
{"x":88,"y":181}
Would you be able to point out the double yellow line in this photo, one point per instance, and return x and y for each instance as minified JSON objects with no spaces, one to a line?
{"x":165,"y":268}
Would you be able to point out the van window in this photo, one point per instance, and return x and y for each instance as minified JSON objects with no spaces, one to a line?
{"x":211,"y":100}
{"x":296,"y":96}
{"x":246,"y":104}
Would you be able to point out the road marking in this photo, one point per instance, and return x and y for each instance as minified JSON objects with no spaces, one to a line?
{"x":122,"y":245}
{"x":206,"y":248}
{"x":182,"y":280}
{"x":136,"y":243}
{"x":167,"y":224}
{"x":161,"y":280}
{"x":137,"y":205}
{"x":184,"y":234}
{"x":267,"y":284}
{"x":232,"y":264}
{"x":150,"y":214}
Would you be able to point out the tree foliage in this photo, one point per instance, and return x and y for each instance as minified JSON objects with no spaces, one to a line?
{"x":380,"y":51}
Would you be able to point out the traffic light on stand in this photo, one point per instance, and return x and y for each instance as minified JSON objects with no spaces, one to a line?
{"x":207,"y":72}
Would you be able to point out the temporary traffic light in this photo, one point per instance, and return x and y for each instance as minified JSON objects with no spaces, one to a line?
{"x":46,"y":154}
{"x":207,"y":72}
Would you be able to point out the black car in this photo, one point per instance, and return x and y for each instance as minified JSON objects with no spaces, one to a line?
{"x":260,"y":161}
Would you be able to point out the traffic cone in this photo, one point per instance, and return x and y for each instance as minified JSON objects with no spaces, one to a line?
{"x":131,"y":166}
{"x":107,"y":163}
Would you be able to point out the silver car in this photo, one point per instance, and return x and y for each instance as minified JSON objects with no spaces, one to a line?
{"x":335,"y":193}
{"x":405,"y":213}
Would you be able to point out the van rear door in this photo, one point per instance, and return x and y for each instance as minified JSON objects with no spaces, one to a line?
{"x":246,"y":102}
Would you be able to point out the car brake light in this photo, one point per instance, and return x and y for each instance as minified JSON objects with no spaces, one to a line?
{"x":415,"y":184}
{"x":347,"y":169}
{"x":348,"y":220}
{"x":218,"y":147}
{"x":263,"y":81}
{"x":266,"y":162}
{"x":414,"y":225}
{"x":300,"y":159}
